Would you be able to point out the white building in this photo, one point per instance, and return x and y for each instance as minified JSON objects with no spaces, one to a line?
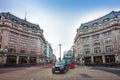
{"x":21,"y":42}
{"x":98,"y":41}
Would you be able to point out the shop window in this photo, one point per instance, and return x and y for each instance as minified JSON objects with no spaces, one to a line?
{"x":97,"y":59}
{"x":110,"y":58}
{"x":11,"y":59}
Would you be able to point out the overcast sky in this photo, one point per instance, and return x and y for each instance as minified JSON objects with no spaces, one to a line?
{"x":59,"y":18}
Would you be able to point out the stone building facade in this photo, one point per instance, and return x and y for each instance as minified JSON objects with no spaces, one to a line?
{"x":21,"y":42}
{"x":98,"y":41}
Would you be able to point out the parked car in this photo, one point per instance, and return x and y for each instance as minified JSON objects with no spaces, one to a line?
{"x":71,"y":66}
{"x":60,"y":66}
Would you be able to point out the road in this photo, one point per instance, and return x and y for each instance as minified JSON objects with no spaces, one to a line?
{"x":44,"y":73}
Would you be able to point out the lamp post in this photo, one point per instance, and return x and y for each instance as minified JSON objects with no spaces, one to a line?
{"x":60,"y":51}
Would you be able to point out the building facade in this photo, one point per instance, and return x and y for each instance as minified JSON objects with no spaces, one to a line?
{"x":53,"y":58}
{"x":98,"y":41}
{"x":21,"y":42}
{"x":48,"y":51}
{"x":69,"y":55}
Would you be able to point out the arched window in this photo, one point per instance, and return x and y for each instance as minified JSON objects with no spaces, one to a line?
{"x":94,"y":24}
{"x":13,"y":20}
{"x":107,"y":19}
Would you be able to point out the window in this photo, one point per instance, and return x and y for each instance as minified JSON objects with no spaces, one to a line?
{"x":11,"y":50}
{"x":98,"y":43}
{"x":85,"y":38}
{"x":34,"y":42}
{"x":108,"y":33}
{"x":33,"y":52}
{"x":109,"y":48}
{"x":14,"y":34}
{"x":15,"y":26}
{"x":86,"y":45}
{"x":108,"y":41}
{"x":12,"y":38}
{"x":22,"y":51}
{"x":34,"y":32}
{"x":87,"y":51}
{"x":25,"y":25}
{"x":24,"y":40}
{"x":85,"y":29}
{"x":96,"y":36}
{"x":15,"y":21}
{"x":119,"y":30}
{"x":107,"y":19}
{"x":94,"y":28}
{"x":24,"y":29}
{"x":94,"y":24}
{"x":97,"y":50}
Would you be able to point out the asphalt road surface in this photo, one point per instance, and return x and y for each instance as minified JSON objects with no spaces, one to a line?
{"x":44,"y":73}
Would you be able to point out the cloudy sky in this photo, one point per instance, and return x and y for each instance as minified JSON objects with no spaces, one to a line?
{"x":59,"y":18}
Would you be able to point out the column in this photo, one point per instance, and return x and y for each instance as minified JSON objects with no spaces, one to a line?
{"x":103,"y":58}
{"x":28,"y":60}
{"x":117,"y":58}
{"x":38,"y":60}
{"x":4,"y":59}
{"x":92,"y":59}
{"x":17,"y":60}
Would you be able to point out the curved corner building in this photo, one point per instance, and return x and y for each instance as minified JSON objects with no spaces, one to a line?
{"x":21,"y":42}
{"x":98,"y":41}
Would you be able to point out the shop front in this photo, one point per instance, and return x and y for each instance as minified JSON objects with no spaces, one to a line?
{"x":87,"y":61}
{"x":98,"y":60}
{"x":11,"y":60}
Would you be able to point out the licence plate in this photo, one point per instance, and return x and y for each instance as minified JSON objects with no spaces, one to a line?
{"x":57,"y":71}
